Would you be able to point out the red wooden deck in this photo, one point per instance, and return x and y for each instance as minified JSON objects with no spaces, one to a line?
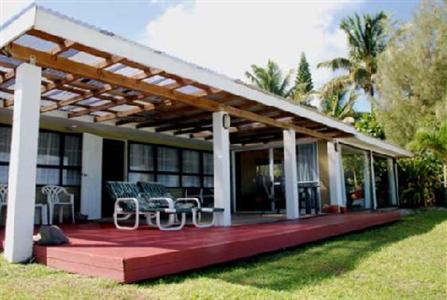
{"x":129,"y":256}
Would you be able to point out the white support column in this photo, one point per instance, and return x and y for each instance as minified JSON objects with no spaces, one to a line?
{"x":336,"y":182}
{"x":272,"y":176}
{"x":396,"y":177}
{"x":373,"y":181}
{"x":290,"y":174}
{"x":91,"y":181}
{"x":392,"y":181}
{"x":221,"y":153}
{"x":22,"y":166}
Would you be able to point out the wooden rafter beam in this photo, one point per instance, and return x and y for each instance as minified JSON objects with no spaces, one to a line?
{"x":121,"y":114}
{"x":46,"y":60}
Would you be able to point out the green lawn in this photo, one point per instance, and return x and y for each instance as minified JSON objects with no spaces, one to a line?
{"x":404,"y":260}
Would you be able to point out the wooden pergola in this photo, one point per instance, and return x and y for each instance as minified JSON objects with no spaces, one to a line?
{"x":89,"y":83}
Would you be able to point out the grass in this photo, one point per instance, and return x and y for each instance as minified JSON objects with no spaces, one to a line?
{"x":406,"y":260}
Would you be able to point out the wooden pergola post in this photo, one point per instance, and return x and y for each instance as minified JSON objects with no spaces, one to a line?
{"x":22,"y":167}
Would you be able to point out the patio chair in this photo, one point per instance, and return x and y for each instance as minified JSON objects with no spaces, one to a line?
{"x":158,"y":192}
{"x":4,"y":203}
{"x":205,"y":195}
{"x":189,"y":205}
{"x":130,"y":202}
{"x":53,"y":194}
{"x":3,"y":197}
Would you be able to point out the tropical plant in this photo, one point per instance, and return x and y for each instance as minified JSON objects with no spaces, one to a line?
{"x":303,"y":81}
{"x":337,"y":99}
{"x":434,"y":140}
{"x":271,"y":79}
{"x":420,"y":181}
{"x":366,"y":40}
{"x":367,"y":123}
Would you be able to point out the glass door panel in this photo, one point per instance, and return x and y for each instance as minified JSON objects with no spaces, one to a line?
{"x":356,"y":170}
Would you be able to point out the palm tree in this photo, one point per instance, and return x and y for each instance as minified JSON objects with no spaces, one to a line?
{"x":270,"y":79}
{"x":366,"y":40}
{"x":337,"y":99}
{"x":434,"y":140}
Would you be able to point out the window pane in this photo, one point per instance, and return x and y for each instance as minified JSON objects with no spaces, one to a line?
{"x":47,"y":176}
{"x":190,"y":181}
{"x":208,"y":181}
{"x":141,"y":157}
{"x":71,"y":177}
{"x":307,"y":162}
{"x":49,"y":146}
{"x":5,"y":143}
{"x":72,"y":151}
{"x":168,"y":180}
{"x":4,"y":174}
{"x":168,"y":159}
{"x":191,"y":161}
{"x":208,"y":163}
{"x":135,"y":176}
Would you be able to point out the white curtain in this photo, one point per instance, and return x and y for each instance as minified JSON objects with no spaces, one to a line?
{"x":5,"y":143}
{"x":208,"y":162}
{"x":168,"y":160}
{"x":141,"y":157}
{"x":49,"y":149}
{"x":307,"y":162}
{"x":72,"y":151}
{"x":191,"y":161}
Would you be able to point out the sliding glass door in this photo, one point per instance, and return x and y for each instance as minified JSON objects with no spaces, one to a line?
{"x":357,"y":178}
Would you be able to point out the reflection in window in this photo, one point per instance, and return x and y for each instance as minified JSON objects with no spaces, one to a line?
{"x":169,"y":180}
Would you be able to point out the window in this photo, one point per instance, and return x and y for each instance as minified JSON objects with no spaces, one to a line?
{"x":172,"y":167}
{"x":58,"y":158}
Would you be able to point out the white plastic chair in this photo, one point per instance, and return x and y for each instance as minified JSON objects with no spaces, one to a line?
{"x":3,"y":197}
{"x":53,"y":194}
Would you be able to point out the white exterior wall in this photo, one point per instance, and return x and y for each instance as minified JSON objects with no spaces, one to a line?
{"x":91,"y":181}
{"x":22,"y":167}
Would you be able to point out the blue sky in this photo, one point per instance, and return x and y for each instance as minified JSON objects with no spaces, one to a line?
{"x":229,"y":36}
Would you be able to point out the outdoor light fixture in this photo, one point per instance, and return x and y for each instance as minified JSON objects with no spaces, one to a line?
{"x":226,"y":121}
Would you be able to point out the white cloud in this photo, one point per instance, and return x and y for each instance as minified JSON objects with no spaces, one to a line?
{"x":9,"y":8}
{"x":230,"y":36}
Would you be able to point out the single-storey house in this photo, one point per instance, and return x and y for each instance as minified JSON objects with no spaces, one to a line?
{"x":80,"y":106}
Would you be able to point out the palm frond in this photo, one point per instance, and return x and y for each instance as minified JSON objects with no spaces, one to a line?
{"x":336,"y":64}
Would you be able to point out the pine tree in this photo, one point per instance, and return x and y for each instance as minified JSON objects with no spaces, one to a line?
{"x":303,"y":81}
